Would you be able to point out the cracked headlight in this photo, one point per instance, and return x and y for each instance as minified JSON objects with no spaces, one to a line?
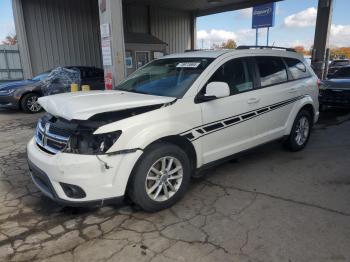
{"x":86,"y":143}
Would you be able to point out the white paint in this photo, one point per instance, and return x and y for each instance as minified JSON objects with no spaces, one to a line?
{"x":184,"y":115}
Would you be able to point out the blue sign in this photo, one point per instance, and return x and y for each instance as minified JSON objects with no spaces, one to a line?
{"x":264,"y":15}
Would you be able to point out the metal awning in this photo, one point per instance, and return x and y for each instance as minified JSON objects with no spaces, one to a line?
{"x":201,"y":7}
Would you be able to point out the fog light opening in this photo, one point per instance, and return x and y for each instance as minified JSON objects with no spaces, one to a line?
{"x":73,"y":191}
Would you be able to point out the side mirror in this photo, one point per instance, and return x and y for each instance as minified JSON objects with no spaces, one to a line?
{"x":215,"y":90}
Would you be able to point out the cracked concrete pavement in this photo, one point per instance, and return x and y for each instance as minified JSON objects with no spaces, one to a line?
{"x":270,"y":205}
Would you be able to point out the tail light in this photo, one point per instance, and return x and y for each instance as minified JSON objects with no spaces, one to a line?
{"x":318,"y":83}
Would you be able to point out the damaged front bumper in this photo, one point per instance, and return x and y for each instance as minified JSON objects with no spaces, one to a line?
{"x":101,"y":179}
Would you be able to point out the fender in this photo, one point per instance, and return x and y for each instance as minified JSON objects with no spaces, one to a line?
{"x":307,"y":100}
{"x":142,"y":130}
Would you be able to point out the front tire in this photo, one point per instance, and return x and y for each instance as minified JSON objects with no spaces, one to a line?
{"x":29,"y":103}
{"x":300,"y":133}
{"x":160,"y":177}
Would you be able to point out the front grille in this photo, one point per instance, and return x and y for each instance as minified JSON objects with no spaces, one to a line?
{"x":60,"y":131}
{"x":335,"y":96}
{"x":50,"y":137}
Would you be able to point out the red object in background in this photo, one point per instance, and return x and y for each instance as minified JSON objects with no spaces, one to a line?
{"x":109,"y":81}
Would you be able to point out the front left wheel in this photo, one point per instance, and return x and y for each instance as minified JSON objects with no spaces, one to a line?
{"x":29,"y":103}
{"x":160,"y":178}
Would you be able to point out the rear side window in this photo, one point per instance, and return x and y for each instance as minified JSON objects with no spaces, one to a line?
{"x":272,"y":70}
{"x":297,"y":68}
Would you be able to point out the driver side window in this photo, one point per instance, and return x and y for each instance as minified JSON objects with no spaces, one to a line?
{"x":236,"y":74}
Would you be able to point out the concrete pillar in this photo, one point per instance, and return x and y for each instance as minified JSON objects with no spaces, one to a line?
{"x":193,"y":31}
{"x":111,"y":16}
{"x":22,"y":39}
{"x":323,"y":26}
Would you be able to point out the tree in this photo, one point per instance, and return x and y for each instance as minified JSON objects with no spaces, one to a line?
{"x":340,"y":53}
{"x":10,"y":40}
{"x":301,"y":49}
{"x":229,"y":44}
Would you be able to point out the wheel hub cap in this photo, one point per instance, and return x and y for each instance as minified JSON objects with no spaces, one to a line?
{"x":164,"y":178}
{"x":302,"y":131}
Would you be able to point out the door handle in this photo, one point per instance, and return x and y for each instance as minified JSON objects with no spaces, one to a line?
{"x":292,"y":90}
{"x":253,"y":100}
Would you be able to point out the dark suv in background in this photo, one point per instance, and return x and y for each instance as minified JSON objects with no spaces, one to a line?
{"x":335,"y":65}
{"x":335,"y":90}
{"x":24,"y":94}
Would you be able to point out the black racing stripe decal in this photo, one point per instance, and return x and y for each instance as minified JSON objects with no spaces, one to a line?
{"x":213,"y":127}
{"x":230,"y":121}
{"x":200,"y":131}
{"x":189,"y":136}
{"x":220,"y":120}
{"x":248,"y":115}
{"x":262,"y":110}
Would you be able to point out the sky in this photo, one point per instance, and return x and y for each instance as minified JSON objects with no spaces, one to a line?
{"x":6,"y":19}
{"x":295,"y":25}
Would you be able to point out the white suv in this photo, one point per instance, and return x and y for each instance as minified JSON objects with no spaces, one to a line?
{"x":167,"y":121}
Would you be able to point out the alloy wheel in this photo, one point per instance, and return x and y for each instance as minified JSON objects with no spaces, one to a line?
{"x":302,"y":131}
{"x":164,"y":178}
{"x":33,"y":105}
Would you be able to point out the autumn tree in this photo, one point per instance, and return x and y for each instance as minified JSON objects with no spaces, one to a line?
{"x":10,"y":40}
{"x":301,"y":49}
{"x":229,"y":44}
{"x":340,"y":53}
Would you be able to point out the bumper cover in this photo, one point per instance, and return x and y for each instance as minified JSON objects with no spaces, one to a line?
{"x":336,"y":98}
{"x":9,"y":101}
{"x":42,"y":182}
{"x":100,"y":184}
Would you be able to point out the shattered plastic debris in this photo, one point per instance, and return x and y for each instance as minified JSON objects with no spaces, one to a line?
{"x":59,"y":81}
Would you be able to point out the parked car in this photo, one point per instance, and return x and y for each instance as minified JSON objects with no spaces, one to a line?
{"x":24,"y":94}
{"x":166,"y":122}
{"x":335,"y":91}
{"x":337,"y":64}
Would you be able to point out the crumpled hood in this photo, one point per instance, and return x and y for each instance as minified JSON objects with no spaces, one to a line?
{"x":83,"y":105}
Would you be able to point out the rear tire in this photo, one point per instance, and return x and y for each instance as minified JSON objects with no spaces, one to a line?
{"x":300,"y":133}
{"x":29,"y":103}
{"x":160,"y":178}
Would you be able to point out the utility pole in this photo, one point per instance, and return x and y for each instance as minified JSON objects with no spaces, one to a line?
{"x":323,"y":26}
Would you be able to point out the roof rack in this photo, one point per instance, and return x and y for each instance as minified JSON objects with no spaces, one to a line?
{"x":198,"y":50}
{"x":265,"y":47}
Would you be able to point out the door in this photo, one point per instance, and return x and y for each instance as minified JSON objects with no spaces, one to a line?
{"x":277,"y":95}
{"x":142,"y":58}
{"x":228,"y":125}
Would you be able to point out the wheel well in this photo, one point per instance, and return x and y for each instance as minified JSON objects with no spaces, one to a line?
{"x":310,"y":109}
{"x":185,"y":145}
{"x":23,"y":95}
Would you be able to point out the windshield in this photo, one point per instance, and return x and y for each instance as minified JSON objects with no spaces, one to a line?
{"x":340,"y":63}
{"x":165,"y":77}
{"x":41,"y":77}
{"x":342,"y":73}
